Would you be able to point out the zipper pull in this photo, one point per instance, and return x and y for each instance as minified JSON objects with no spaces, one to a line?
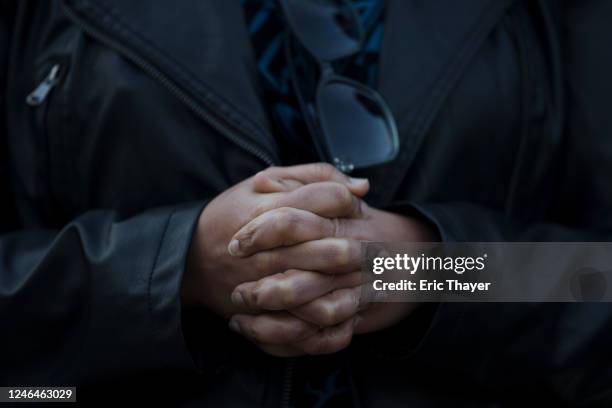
{"x":40,"y":93}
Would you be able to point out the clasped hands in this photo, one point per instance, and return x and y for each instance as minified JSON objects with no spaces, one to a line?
{"x":279,"y":254}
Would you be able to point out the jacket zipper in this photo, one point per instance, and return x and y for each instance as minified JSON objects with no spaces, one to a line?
{"x":40,"y":99}
{"x":171,"y":86}
{"x":287,"y":383}
{"x":40,"y":93}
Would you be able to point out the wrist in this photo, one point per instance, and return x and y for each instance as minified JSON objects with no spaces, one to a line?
{"x":190,"y":285}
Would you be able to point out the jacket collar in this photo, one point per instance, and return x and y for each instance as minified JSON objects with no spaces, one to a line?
{"x":426,"y":46}
{"x":201,"y":46}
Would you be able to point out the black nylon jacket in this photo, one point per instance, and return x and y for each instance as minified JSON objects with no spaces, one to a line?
{"x":503,"y":108}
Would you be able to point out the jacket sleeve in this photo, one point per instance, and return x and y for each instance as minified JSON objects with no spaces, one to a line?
{"x":559,"y":349}
{"x":99,"y":297}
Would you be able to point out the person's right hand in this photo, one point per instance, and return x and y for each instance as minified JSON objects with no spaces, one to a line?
{"x":212,"y":273}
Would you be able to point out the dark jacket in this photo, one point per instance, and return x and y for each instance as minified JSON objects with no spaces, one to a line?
{"x":503,"y":108}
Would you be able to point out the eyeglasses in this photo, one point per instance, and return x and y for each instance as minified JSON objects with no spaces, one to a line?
{"x":351,"y":124}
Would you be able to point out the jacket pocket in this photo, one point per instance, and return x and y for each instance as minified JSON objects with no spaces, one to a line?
{"x":46,"y":105}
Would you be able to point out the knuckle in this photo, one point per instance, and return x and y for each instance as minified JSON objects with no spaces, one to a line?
{"x":255,"y":300}
{"x":277,"y":293}
{"x":339,"y":253}
{"x":342,"y":196}
{"x":287,"y":222}
{"x":327,"y":315}
{"x":286,"y":295}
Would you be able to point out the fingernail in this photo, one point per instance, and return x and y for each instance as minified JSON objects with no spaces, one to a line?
{"x":238,"y":299}
{"x":234,"y":326}
{"x":358,"y":182}
{"x":234,"y":247}
{"x":357,"y":320}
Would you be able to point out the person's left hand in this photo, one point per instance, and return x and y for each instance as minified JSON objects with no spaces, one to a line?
{"x":307,"y":312}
